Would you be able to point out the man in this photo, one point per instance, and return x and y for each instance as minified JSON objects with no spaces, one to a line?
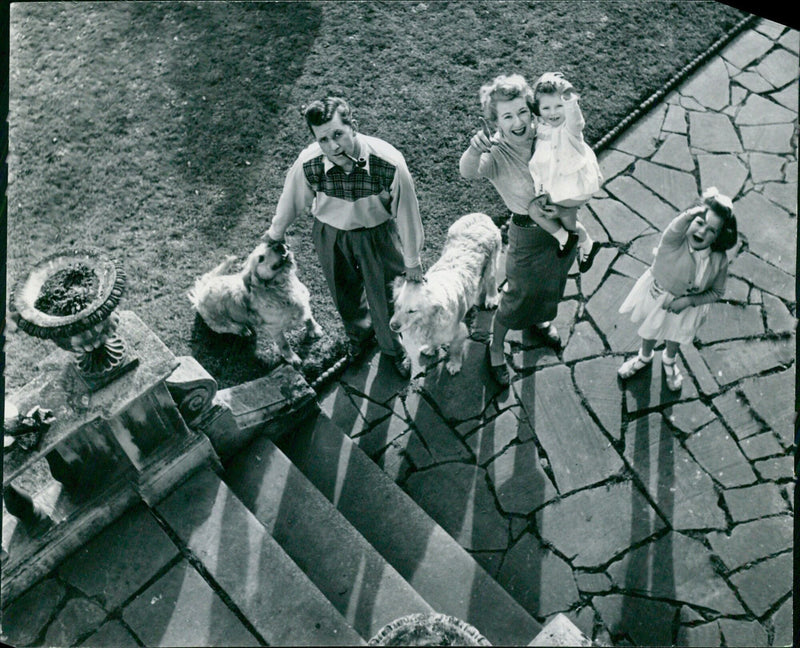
{"x":367,"y":228}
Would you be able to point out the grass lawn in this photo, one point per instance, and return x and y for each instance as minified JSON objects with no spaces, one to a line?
{"x":161,"y":131}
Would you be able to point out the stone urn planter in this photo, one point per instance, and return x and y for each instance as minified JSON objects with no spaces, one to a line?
{"x":428,"y":630}
{"x":69,"y":297}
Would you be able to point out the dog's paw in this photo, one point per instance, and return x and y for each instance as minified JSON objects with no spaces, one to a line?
{"x":453,"y":367}
{"x":428,"y":350}
{"x":293,"y":360}
{"x":313,"y":331}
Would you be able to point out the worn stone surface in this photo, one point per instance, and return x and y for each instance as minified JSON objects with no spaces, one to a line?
{"x":674,"y":152}
{"x":646,"y":622}
{"x":779,"y":67}
{"x":765,"y":227}
{"x":746,"y":48}
{"x":642,"y":201}
{"x":713,"y":133}
{"x":743,"y":633}
{"x":754,"y":502}
{"x":77,"y":617}
{"x":772,"y":138}
{"x":765,"y":167}
{"x":458,"y":498}
{"x":680,"y":489}
{"x":613,"y":162}
{"x":772,"y":398}
{"x":753,"y":81}
{"x":782,"y":621}
{"x":689,"y":416}
{"x":711,"y":87}
{"x":776,"y":468}
{"x":678,"y":568}
{"x":578,"y":452}
{"x":716,"y":451}
{"x":494,"y":437}
{"x":762,"y":445}
{"x":788,"y":96}
{"x":592,"y":582}
{"x":603,"y":307}
{"x":541,"y":581}
{"x":436,"y":436}
{"x":678,"y":188}
{"x":765,"y":583}
{"x":112,"y":633}
{"x":731,"y":361}
{"x":28,"y":615}
{"x":641,"y":141}
{"x":738,"y":416}
{"x":675,"y":120}
{"x":648,"y":388}
{"x":753,"y":540}
{"x":757,"y":110}
{"x":597,"y":381}
{"x":736,"y":290}
{"x":725,"y":172}
{"x":729,"y":321}
{"x":519,"y":482}
{"x":98,"y":568}
{"x":180,"y":608}
{"x":703,"y":635}
{"x":702,"y":374}
{"x":644,"y":247}
{"x":595,"y":525}
{"x":583,"y":342}
{"x":591,"y":280}
{"x":783,"y":194}
{"x":630,"y":267}
{"x":764,"y":276}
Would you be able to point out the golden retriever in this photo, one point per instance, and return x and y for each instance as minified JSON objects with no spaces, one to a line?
{"x":266,"y":293}
{"x":432,"y":311}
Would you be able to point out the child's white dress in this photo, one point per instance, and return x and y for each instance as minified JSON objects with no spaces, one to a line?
{"x":563,"y":165}
{"x":647,"y":300}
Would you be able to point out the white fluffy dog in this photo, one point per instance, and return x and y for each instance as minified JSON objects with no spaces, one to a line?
{"x":431,"y":312}
{"x":264,"y":293}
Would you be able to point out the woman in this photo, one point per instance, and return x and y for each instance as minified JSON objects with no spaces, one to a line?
{"x":536,"y":275}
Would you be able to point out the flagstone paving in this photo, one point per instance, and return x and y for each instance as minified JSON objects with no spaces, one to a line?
{"x":647,"y":516}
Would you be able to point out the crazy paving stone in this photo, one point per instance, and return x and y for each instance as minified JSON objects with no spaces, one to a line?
{"x":113,"y":634}
{"x":379,"y":436}
{"x":122,"y":558}
{"x":790,"y":40}
{"x":519,"y":482}
{"x":643,"y":202}
{"x":776,"y":468}
{"x":782,"y":622}
{"x":713,"y":132}
{"x":640,"y":139}
{"x":735,"y":412}
{"x":690,"y":416}
{"x":761,"y":445}
{"x":765,"y":583}
{"x":765,"y":167}
{"x":394,"y":460}
{"x":338,"y":405}
{"x":457,"y":497}
{"x":753,"y":540}
{"x":674,"y":152}
{"x":577,"y":450}
{"x":27,"y":616}
{"x":593,"y":227}
{"x":622,"y":224}
{"x":437,"y":437}
{"x":770,"y":28}
{"x":788,"y":96}
{"x":710,"y":85}
{"x":648,"y":388}
{"x":538,"y":579}
{"x":603,"y":307}
{"x":591,"y":280}
{"x":180,"y":608}
{"x":630,"y":267}
{"x":689,"y":615}
{"x":644,"y":247}
{"x":772,"y":398}
{"x":678,"y":568}
{"x":675,"y":121}
{"x":773,"y":236}
{"x":592,"y":582}
{"x":783,"y":194}
{"x":729,"y":321}
{"x":754,"y":502}
{"x":704,"y":635}
{"x":764,"y":276}
{"x":736,"y":290}
{"x":583,"y":342}
{"x":692,"y":105}
{"x":78,"y":616}
{"x":753,"y":81}
{"x":715,"y":450}
{"x":743,"y":633}
{"x":757,"y":111}
{"x":646,"y":622}
{"x":747,"y":48}
{"x":699,"y":370}
{"x":779,"y":67}
{"x":724,"y":171}
{"x":494,"y":436}
{"x":773,"y":138}
{"x":680,"y":489}
{"x":593,"y":526}
{"x":731,"y":361}
{"x":461,"y":397}
{"x":613,"y":162}
{"x":597,"y":381}
{"x":583,"y":618}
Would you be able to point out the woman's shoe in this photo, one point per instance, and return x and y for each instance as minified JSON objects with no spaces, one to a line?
{"x":499,"y":373}
{"x":672,"y":373}
{"x":633,"y":366}
{"x":548,"y":334}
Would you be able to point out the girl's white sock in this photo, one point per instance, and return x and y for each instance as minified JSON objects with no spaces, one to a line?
{"x":646,"y":358}
{"x":561,"y":236}
{"x":667,"y":359}
{"x":586,"y":244}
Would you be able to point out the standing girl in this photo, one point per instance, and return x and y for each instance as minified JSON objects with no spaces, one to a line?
{"x":671,"y":299}
{"x":564,"y":168}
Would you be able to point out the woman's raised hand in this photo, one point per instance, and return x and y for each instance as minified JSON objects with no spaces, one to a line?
{"x":481,"y":142}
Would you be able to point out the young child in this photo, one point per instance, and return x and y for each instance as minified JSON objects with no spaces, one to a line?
{"x":671,"y":299}
{"x":564,"y":168}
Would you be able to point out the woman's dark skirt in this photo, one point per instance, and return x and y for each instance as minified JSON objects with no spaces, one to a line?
{"x":536,"y":277}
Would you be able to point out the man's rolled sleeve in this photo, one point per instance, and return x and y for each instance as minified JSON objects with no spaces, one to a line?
{"x":297,"y":196}
{"x":405,"y":209}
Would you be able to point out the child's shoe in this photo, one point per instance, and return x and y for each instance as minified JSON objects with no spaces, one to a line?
{"x":672,"y":372}
{"x":634,"y":365}
{"x":585,"y":261}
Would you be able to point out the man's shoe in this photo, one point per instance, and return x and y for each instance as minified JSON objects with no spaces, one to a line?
{"x":499,"y":373}
{"x":572,"y":241}
{"x":586,"y":263}
{"x":402,"y":365}
{"x":548,"y":334}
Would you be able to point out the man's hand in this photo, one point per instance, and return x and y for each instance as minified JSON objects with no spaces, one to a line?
{"x":414,"y":274}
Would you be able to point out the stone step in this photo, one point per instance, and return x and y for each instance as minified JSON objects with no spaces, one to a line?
{"x":435,"y":565}
{"x":365,"y":589}
{"x":245,"y":562}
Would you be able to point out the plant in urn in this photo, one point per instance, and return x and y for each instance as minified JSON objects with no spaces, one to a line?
{"x":69,"y":298}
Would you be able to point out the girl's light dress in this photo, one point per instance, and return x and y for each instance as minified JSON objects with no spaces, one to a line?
{"x":647,"y":303}
{"x":563,"y":165}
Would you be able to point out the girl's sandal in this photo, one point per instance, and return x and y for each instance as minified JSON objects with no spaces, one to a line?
{"x":633,"y":365}
{"x":673,"y":374}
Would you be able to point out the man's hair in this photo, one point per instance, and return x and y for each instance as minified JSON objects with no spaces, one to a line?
{"x":504,"y":88}
{"x":321,"y":111}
